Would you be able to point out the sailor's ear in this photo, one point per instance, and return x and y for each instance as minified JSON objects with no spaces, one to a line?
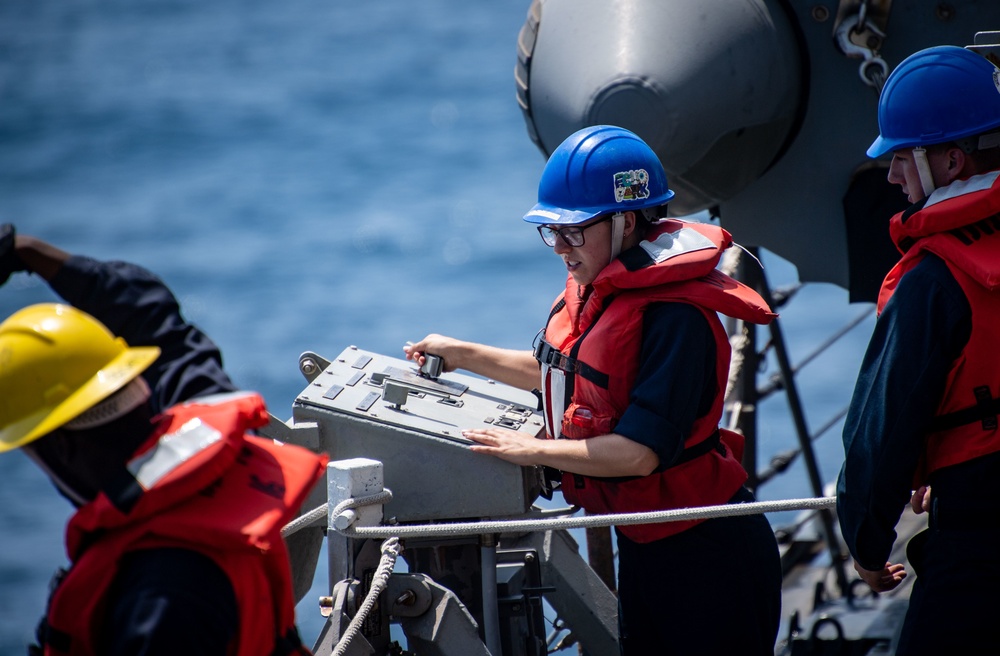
{"x":629,"y":225}
{"x":956,"y":160}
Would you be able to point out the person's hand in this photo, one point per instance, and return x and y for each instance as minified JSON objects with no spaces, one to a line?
{"x":882,"y":580}
{"x":920,"y":501}
{"x":447,"y":348}
{"x":505,"y":444}
{"x":9,"y":261}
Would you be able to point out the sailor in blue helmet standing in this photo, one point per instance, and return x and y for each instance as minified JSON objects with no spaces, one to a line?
{"x":632,"y":366}
{"x":923,"y":420}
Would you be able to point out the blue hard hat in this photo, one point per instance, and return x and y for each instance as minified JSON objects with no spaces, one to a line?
{"x":597,"y":170}
{"x":937,"y":95}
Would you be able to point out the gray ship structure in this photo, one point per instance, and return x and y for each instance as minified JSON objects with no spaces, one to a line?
{"x":761,"y":112}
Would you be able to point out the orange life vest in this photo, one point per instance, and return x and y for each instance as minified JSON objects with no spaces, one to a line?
{"x":200,"y":483}
{"x":960,"y":224}
{"x":594,"y":341}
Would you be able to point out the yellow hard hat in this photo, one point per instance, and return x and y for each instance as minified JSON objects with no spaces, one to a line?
{"x":55,"y":363}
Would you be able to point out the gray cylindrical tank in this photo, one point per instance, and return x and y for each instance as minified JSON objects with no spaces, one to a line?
{"x":712,"y":85}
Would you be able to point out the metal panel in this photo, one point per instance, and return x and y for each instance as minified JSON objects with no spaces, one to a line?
{"x":412,"y":424}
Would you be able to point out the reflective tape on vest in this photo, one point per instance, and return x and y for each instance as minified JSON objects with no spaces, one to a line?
{"x":672,"y":244}
{"x":553,"y":399}
{"x":171,"y":451}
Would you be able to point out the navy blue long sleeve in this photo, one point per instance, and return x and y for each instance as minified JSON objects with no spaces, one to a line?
{"x":136,"y":305}
{"x":919,"y":334}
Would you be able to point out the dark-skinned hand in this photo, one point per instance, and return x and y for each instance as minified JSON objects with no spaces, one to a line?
{"x":9,"y":261}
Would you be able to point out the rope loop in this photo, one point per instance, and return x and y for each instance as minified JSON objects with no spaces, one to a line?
{"x":318,"y":513}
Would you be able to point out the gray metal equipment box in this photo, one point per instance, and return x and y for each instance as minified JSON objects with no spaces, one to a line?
{"x":368,"y":405}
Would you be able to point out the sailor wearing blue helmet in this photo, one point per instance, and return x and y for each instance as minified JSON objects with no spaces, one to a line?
{"x":632,"y":365}
{"x":923,"y":418}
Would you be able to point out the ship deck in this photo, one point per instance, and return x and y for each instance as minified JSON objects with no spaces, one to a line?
{"x":812,"y":604}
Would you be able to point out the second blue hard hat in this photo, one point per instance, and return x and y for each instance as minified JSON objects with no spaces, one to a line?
{"x":937,"y":95}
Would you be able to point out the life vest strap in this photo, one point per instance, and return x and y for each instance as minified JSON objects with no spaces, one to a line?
{"x":711,"y":443}
{"x":986,"y":410}
{"x":547,"y":354}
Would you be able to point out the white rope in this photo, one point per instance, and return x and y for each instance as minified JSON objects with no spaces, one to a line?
{"x":588,"y":521}
{"x":319,"y":513}
{"x":390,"y":551}
{"x":303,"y":521}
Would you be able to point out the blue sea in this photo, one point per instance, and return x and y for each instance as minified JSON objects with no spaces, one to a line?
{"x":306,"y":175}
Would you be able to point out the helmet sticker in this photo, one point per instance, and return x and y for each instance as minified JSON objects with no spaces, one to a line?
{"x":631,"y":185}
{"x":996,"y":78}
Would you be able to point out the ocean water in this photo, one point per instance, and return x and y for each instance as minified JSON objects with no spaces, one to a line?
{"x":306,"y":176}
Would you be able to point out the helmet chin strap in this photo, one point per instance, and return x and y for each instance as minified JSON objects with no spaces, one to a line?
{"x":617,"y":234}
{"x":923,"y":170}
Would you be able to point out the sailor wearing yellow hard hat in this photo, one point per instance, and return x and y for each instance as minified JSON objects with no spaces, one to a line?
{"x":176,"y":542}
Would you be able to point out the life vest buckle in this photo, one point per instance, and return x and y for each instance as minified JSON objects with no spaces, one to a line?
{"x":984,"y":400}
{"x":545,"y":353}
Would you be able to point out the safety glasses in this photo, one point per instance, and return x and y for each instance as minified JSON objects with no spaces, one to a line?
{"x":572,"y":235}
